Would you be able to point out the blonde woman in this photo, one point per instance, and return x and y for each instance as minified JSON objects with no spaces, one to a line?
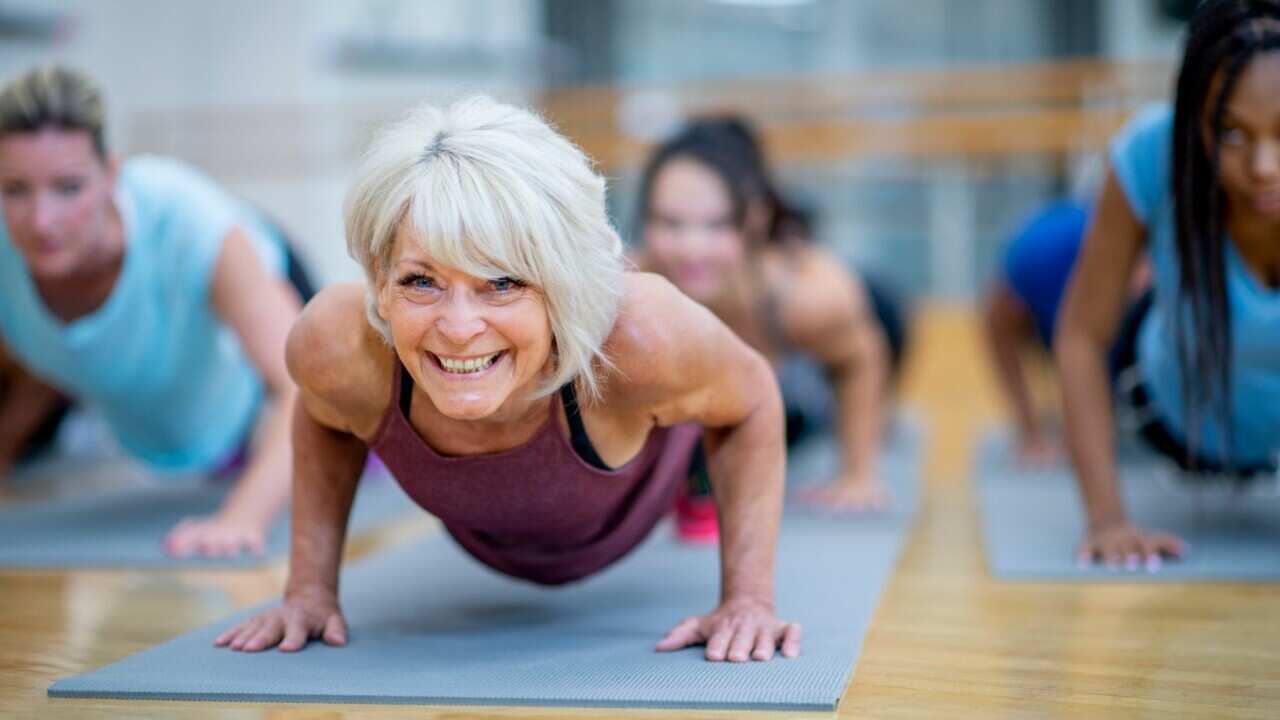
{"x":142,"y":289}
{"x":520,"y":386}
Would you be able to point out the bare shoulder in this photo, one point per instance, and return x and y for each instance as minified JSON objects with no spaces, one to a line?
{"x":820,"y":295}
{"x":336,"y":357}
{"x":673,"y":360}
{"x":652,"y":317}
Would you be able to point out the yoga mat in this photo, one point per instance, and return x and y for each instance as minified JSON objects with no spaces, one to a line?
{"x":431,"y":626}
{"x":817,"y":461}
{"x":1033,"y":522}
{"x":123,"y":522}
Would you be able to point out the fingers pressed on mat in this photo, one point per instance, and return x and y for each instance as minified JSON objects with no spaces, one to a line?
{"x":295,"y":635}
{"x":335,"y":630}
{"x":243,"y":632}
{"x":791,"y":640}
{"x":266,"y":636}
{"x":766,"y":643}
{"x":744,"y":639}
{"x":718,"y":643}
{"x":681,"y":636}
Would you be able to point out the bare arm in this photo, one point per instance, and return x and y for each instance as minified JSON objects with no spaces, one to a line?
{"x":328,"y":459}
{"x":260,"y":307}
{"x":684,"y":365}
{"x":26,"y":402}
{"x":829,"y":315}
{"x":1008,"y":322}
{"x":1090,"y":317}
{"x":856,"y":354}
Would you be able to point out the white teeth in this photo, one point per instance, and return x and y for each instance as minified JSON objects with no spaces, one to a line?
{"x":469,"y":365}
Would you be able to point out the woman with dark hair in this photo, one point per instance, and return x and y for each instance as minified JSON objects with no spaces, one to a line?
{"x":715,"y":224}
{"x":1198,"y":187}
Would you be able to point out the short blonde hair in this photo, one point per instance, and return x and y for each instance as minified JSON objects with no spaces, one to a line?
{"x":491,"y":190}
{"x":53,"y":96}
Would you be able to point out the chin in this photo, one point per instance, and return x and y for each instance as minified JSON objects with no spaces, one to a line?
{"x":703,"y":292}
{"x":51,"y":266}
{"x":463,"y":405}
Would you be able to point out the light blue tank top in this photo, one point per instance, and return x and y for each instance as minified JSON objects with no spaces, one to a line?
{"x":1142,"y":159}
{"x":171,"y":380}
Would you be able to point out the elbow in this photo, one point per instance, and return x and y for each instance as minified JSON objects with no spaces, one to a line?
{"x":767,"y":407}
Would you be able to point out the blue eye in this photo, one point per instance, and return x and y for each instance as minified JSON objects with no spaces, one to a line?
{"x":505,"y":284}
{"x":1232,"y":136}
{"x":417,"y":281}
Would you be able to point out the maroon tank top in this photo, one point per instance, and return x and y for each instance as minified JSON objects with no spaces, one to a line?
{"x":538,"y":512}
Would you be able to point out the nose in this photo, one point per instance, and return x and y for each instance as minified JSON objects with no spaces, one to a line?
{"x":460,"y":321}
{"x":43,"y":214}
{"x":692,"y":241}
{"x":1265,"y":162}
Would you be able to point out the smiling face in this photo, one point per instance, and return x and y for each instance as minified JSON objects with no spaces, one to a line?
{"x":690,"y":234}
{"x":1250,"y":145}
{"x":472,"y":344}
{"x":56,"y":192}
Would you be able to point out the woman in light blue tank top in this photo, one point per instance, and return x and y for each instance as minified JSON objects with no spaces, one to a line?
{"x":1198,"y":186}
{"x":142,"y":290}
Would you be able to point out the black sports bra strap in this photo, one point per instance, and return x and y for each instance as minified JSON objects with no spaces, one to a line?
{"x":578,"y":437}
{"x":406,"y":389}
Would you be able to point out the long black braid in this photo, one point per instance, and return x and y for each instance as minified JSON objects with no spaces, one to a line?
{"x":1223,"y":36}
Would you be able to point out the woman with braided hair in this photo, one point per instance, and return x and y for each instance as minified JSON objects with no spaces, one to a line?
{"x":1198,"y":186}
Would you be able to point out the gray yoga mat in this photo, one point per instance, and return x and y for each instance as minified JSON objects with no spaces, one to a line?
{"x":431,"y":626}
{"x":1033,"y":522}
{"x":123,"y":522}
{"x":816,"y":461}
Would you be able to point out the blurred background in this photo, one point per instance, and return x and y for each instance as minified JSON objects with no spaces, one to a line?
{"x":919,"y":133}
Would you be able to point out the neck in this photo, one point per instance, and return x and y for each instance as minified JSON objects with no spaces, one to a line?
{"x":1258,"y":241}
{"x":737,"y":296}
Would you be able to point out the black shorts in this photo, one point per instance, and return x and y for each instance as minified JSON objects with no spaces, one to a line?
{"x":894,"y":317}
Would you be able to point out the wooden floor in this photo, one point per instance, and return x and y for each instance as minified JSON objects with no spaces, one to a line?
{"x":947,"y":641}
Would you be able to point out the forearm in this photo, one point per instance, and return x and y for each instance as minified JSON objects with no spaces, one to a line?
{"x":263,"y":488}
{"x":860,"y":387}
{"x":25,"y":404}
{"x":326,"y":469}
{"x":747,"y":467}
{"x":1086,"y":401}
{"x":1003,"y":340}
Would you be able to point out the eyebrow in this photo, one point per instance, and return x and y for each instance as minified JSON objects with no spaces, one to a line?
{"x":1233,"y":115}
{"x":414,"y":261}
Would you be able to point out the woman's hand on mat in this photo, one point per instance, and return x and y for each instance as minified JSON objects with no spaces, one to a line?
{"x":224,"y":534}
{"x":737,"y":631}
{"x":303,"y":616}
{"x":1036,"y":450}
{"x":852,"y":493}
{"x":1124,"y":545}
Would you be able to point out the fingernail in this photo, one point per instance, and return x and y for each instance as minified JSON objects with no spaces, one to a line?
{"x":1153,"y":563}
